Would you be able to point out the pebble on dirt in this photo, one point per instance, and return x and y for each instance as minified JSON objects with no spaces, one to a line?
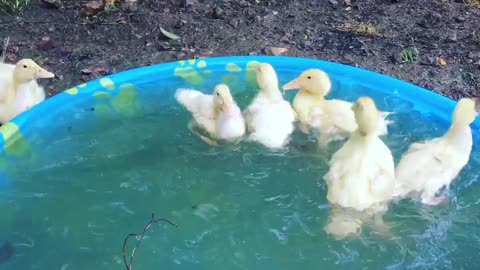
{"x":46,"y":44}
{"x":277,"y":51}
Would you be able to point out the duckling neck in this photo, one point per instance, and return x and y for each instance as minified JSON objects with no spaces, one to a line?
{"x":459,"y":134}
{"x":311,"y":95}
{"x":273,"y":93}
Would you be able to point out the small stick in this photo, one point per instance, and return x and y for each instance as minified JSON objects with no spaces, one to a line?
{"x":153,"y":221}
{"x":6,"y":42}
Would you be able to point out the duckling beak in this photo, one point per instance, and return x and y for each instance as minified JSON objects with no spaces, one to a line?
{"x":292,"y":85}
{"x":43,"y":74}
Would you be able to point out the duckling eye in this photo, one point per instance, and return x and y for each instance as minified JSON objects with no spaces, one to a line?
{"x":309,"y":77}
{"x":218,"y":94}
{"x":24,"y":66}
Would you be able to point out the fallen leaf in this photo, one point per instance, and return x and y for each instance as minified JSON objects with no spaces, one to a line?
{"x":93,"y":7}
{"x":278,"y":50}
{"x":99,"y":69}
{"x":168,"y":34}
{"x":441,"y":61}
{"x":86,"y":71}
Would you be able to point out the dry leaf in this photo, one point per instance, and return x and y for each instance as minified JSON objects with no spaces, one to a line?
{"x":278,"y":50}
{"x":441,"y":61}
{"x":168,"y":34}
{"x":99,"y":69}
{"x":93,"y":7}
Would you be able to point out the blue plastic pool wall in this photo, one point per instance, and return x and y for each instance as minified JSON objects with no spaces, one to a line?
{"x":203,"y":74}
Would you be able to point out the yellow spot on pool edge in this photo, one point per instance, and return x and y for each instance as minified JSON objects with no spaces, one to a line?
{"x":250,"y":74}
{"x":182,"y":62}
{"x":100,"y":95}
{"x":14,"y":142}
{"x":107,"y":83}
{"x":126,"y":100}
{"x":83,"y":85}
{"x":191,"y":61}
{"x":72,"y":91}
{"x":8,"y":130}
{"x":189,"y":74}
{"x":229,"y":78}
{"x":202,"y":64}
{"x":252,"y":65}
{"x":232,"y":67}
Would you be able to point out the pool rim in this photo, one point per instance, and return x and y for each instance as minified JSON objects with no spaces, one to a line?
{"x":424,"y":99}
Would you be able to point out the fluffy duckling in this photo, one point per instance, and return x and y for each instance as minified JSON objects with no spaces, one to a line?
{"x":333,"y":119}
{"x":270,"y":118}
{"x":361,"y":173}
{"x":19,"y":90}
{"x":217,"y":114}
{"x":429,"y":166}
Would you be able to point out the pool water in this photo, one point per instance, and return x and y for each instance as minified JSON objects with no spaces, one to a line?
{"x":83,"y":186}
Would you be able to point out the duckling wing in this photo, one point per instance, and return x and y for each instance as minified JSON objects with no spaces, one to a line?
{"x":427,"y":167}
{"x":358,"y":178}
{"x":231,"y":124}
{"x":335,"y":120}
{"x":270,"y":123}
{"x":202,"y":107}
{"x":6,"y":84}
{"x":382,"y":172}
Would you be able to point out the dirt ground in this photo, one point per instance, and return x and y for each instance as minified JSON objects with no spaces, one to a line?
{"x":444,"y":34}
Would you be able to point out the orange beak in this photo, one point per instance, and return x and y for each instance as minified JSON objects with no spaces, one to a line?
{"x":292,"y":85}
{"x":41,"y":73}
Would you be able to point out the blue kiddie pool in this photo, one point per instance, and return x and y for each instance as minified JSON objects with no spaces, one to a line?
{"x":90,"y":165}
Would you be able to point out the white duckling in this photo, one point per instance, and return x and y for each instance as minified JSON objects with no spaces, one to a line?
{"x":19,"y":90}
{"x":332,"y":119}
{"x":217,"y":114}
{"x":270,"y":118}
{"x":429,"y":166}
{"x":361,"y":173}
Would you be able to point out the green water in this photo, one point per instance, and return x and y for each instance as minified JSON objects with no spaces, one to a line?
{"x":88,"y":184}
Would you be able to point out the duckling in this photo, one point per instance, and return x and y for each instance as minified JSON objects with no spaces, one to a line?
{"x":270,"y":118}
{"x":361,"y":174}
{"x":217,"y":114}
{"x":429,"y":166}
{"x":19,"y":90}
{"x":333,"y":119}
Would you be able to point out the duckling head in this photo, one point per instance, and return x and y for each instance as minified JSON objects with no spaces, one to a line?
{"x":267,"y":78}
{"x":464,"y":113}
{"x":366,"y":115}
{"x":222,"y":96}
{"x":312,"y":81}
{"x":27,"y":70}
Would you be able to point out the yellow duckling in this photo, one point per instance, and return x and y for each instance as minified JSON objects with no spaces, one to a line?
{"x":270,"y":118}
{"x":217,"y":114}
{"x":429,"y":166}
{"x":333,"y":119}
{"x":361,"y":174}
{"x":19,"y":90}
